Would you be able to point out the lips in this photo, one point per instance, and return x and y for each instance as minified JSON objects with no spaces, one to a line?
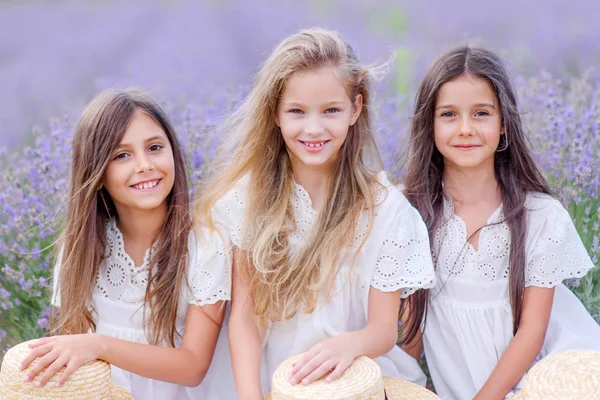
{"x":467,"y":146}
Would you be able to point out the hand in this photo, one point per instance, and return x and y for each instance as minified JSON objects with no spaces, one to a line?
{"x":56,"y":352}
{"x":331,"y":355}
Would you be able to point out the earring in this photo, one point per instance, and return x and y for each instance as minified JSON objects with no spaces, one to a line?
{"x":503,"y":138}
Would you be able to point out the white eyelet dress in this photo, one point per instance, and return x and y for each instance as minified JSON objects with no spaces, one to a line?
{"x":118,"y":303}
{"x":395,"y":256}
{"x":470,"y":323}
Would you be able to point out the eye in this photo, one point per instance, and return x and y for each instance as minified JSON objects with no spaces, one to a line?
{"x":447,"y":114}
{"x":295,"y":111}
{"x":155,"y":147}
{"x":482,"y":113}
{"x":121,"y":156}
{"x":332,"y":110}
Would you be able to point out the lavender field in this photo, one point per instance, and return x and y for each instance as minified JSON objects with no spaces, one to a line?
{"x":198,"y":58}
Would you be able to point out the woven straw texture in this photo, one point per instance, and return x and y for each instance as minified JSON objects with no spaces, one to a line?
{"x":397,"y":389}
{"x":361,"y":381}
{"x":90,"y":381}
{"x":569,"y":375}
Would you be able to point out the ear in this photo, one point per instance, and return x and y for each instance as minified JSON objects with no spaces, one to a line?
{"x":277,"y":119}
{"x":356,"y":108}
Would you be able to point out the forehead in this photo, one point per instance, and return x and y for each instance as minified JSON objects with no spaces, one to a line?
{"x":466,"y":89}
{"x":142,"y":127}
{"x":318,"y":84}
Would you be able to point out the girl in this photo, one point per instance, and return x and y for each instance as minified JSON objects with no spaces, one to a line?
{"x":131,"y":269}
{"x":324,"y":247}
{"x":501,"y":243}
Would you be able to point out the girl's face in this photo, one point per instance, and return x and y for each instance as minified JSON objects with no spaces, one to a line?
{"x":141,"y":172}
{"x":314,"y":114}
{"x":467,"y":123}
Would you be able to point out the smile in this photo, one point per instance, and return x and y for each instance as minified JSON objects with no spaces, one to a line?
{"x":314,"y":147}
{"x":467,"y":147}
{"x":146,"y":185}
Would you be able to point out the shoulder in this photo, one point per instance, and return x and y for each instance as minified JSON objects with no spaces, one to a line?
{"x":541,"y":206}
{"x":389,"y":195}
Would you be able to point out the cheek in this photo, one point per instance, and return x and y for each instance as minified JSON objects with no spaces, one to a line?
{"x":114,"y":176}
{"x":441,"y":133}
{"x":492,"y":134}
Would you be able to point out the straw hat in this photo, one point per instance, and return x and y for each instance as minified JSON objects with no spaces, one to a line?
{"x":90,"y":381}
{"x":361,"y":381}
{"x":573,"y":374}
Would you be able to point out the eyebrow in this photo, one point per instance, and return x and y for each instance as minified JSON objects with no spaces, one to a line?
{"x":328,"y":104}
{"x":475,"y":105}
{"x":153,"y":138}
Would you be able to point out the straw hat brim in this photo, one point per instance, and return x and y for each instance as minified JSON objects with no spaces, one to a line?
{"x":398,"y":389}
{"x":571,"y":374}
{"x":91,"y":380}
{"x":119,"y":393}
{"x":116,"y":393}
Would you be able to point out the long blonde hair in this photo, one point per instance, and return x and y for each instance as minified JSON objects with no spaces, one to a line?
{"x":282,"y":285}
{"x":98,"y":134}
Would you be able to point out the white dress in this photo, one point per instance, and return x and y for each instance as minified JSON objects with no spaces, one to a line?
{"x":470,"y":323}
{"x":396,"y":256}
{"x":118,"y":301}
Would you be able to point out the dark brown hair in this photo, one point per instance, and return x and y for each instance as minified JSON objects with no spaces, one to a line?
{"x":98,"y":134}
{"x":515,"y":169}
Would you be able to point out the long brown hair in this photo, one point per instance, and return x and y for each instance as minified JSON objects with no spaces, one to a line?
{"x":515,"y":169}
{"x":282,"y":285}
{"x":98,"y":134}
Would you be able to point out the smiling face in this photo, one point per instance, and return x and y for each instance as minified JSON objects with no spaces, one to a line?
{"x":141,"y":172}
{"x":314,"y":114}
{"x":467,"y":123}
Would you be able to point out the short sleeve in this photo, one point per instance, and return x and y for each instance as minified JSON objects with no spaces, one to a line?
{"x":556,"y":251}
{"x":210,"y":267}
{"x":55,"y":299}
{"x":229,"y":212}
{"x":404,"y":258}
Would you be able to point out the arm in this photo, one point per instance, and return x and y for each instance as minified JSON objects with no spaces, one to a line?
{"x":414,"y":348}
{"x":184,"y":366}
{"x":377,"y":338}
{"x":524,"y":347}
{"x":244,"y":336}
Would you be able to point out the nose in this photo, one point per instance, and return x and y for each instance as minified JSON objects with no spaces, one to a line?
{"x":466,"y":125}
{"x":314,"y":126}
{"x":143,"y":163}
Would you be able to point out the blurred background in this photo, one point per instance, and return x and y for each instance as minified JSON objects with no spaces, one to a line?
{"x":198,"y":59}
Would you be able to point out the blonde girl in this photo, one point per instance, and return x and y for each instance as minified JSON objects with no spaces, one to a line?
{"x":324,"y":245}
{"x":502,"y":244}
{"x":135,"y":284}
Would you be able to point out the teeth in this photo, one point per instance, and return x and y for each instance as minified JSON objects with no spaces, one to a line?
{"x":146,"y":185}
{"x":315,"y":144}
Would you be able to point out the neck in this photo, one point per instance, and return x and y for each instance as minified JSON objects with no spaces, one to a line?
{"x":471,"y":185}
{"x":315,"y":181}
{"x":141,"y":226}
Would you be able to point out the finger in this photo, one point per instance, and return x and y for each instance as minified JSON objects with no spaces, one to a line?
{"x":52,"y":370}
{"x":37,"y":343}
{"x":40,"y":365}
{"x":304,"y":359}
{"x":33,"y":354}
{"x":71,"y":368}
{"x":337,"y":372}
{"x":308,"y":368}
{"x":319,"y":372}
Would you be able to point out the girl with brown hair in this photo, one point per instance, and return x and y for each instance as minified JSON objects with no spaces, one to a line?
{"x":501,"y":243}
{"x":135,"y":284}
{"x":325,"y":246}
